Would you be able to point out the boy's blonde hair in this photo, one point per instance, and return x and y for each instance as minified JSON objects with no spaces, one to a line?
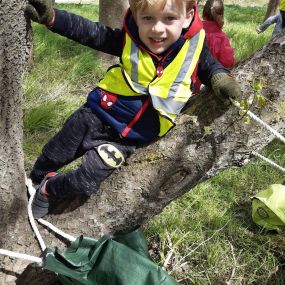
{"x":143,"y":4}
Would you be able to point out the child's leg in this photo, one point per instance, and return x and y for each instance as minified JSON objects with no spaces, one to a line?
{"x":269,"y":21}
{"x":278,"y":27}
{"x":67,"y":144}
{"x":97,"y":164}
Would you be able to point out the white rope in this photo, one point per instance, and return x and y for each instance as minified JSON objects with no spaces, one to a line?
{"x":21,"y":256}
{"x":32,"y":192}
{"x":269,"y":161}
{"x":267,"y":127}
{"x":56,"y":230}
{"x":270,"y":129}
{"x":31,"y":258}
{"x":259,"y":121}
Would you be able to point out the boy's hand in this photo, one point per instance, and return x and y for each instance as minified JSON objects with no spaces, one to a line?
{"x":224,"y":85}
{"x":40,"y":11}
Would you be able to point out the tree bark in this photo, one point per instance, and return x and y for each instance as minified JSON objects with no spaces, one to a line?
{"x":209,"y":137}
{"x":272,"y":8}
{"x":14,"y":52}
{"x":111,"y":13}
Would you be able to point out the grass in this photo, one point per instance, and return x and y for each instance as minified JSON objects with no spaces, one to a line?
{"x":207,"y":236}
{"x":210,"y":235}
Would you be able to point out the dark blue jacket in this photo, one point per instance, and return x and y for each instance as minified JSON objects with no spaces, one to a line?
{"x":107,"y":40}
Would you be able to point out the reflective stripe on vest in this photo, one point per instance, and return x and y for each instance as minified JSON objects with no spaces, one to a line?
{"x":137,"y":76}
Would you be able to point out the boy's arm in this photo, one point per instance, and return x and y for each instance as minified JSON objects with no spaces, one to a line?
{"x":88,"y":33}
{"x":79,"y":29}
{"x":208,"y":66}
{"x":216,"y":76}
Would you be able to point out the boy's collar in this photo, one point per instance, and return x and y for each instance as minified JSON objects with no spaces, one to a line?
{"x":195,"y":26}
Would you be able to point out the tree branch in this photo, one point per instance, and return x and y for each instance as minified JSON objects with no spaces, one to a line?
{"x":210,"y":136}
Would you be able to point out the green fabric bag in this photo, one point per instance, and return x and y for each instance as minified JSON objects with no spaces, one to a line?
{"x":268,"y":208}
{"x":121,"y":260}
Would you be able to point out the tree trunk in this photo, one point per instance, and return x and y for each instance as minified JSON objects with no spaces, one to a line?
{"x":272,"y":8}
{"x":111,"y":13}
{"x":14,"y":52}
{"x":153,"y":177}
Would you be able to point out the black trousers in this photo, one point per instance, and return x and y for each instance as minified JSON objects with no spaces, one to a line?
{"x":80,"y":136}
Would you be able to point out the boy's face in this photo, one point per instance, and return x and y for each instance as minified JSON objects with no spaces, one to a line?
{"x":161,"y":25}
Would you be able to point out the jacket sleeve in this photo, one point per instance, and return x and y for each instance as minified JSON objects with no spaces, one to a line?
{"x":208,"y":66}
{"x":88,"y":33}
{"x":226,"y":54}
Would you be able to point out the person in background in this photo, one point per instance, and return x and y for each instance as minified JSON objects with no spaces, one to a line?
{"x":160,"y":45}
{"x":217,"y":40}
{"x":278,"y":20}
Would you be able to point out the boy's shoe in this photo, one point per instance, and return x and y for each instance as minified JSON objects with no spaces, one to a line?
{"x":43,"y":203}
{"x":258,"y":30}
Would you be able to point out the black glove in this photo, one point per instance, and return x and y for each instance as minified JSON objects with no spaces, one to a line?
{"x":43,"y":203}
{"x":40,"y":11}
{"x":225,"y":86}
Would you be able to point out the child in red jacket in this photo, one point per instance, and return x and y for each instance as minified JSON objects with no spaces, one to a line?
{"x":217,"y":40}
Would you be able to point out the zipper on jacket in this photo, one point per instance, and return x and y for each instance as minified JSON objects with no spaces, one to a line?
{"x":160,"y":68}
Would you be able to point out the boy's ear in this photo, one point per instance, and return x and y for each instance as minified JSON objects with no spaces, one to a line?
{"x":189,"y":16}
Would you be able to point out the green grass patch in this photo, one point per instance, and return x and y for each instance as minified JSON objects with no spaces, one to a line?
{"x":240,"y":26}
{"x":220,"y":242}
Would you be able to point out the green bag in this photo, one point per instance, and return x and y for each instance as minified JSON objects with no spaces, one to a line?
{"x":268,"y":208}
{"x":121,"y":260}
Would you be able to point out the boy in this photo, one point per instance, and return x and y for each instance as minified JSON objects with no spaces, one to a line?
{"x":160,"y":46}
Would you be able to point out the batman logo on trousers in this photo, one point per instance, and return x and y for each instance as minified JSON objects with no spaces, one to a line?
{"x":111,"y":155}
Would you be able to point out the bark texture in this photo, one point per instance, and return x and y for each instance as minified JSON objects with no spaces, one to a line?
{"x":111,"y":13}
{"x":14,"y":51}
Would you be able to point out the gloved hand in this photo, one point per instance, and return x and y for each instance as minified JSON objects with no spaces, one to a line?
{"x":40,"y":11}
{"x":225,"y":86}
{"x":43,"y":202}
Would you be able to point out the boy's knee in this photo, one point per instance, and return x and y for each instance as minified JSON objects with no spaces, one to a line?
{"x":111,"y":155}
{"x":98,"y":164}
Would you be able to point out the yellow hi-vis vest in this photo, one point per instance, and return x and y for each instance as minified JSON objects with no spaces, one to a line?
{"x":136,"y":75}
{"x":282,"y":5}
